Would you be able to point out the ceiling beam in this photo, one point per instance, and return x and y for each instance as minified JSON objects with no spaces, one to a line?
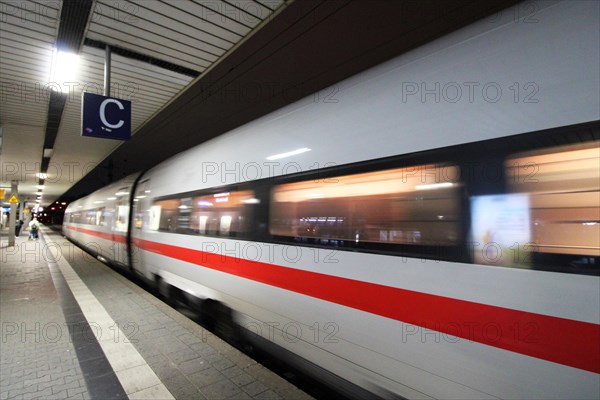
{"x":74,"y":17}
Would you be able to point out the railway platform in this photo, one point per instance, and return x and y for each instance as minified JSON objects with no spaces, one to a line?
{"x":74,"y":328}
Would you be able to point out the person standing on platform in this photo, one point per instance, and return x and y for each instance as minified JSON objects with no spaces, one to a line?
{"x":34,"y":227}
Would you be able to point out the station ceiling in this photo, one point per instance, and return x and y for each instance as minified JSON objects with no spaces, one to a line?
{"x":192,"y":70}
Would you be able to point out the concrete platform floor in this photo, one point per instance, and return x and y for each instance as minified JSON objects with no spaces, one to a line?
{"x":74,"y":328}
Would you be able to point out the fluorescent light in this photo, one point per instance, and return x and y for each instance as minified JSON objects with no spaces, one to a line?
{"x":64,"y":69}
{"x":288,"y":154}
{"x":434,"y":186}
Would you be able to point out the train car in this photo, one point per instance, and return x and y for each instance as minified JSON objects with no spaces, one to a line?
{"x":99,"y":223}
{"x":428,"y":228}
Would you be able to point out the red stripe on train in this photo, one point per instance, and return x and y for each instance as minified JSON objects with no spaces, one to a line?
{"x":115,"y":237}
{"x":560,"y":340}
{"x":564,"y":341}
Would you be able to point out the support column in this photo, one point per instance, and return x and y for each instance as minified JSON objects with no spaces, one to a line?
{"x":107,"y":70}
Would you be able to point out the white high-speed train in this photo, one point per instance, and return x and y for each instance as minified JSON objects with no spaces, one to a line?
{"x":430,"y":231}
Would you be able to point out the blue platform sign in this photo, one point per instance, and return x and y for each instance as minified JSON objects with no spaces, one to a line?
{"x":105,"y":117}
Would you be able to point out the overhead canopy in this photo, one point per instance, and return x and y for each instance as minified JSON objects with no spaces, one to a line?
{"x":192,"y":69}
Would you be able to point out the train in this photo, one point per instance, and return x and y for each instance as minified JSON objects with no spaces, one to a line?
{"x":431,"y":230}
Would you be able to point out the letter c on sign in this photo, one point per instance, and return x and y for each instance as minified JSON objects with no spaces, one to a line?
{"x":103,"y":116}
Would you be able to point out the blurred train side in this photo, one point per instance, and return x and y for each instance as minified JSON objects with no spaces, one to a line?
{"x":107,"y":211}
{"x":535,"y":72}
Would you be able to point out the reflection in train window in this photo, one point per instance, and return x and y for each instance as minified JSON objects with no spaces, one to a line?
{"x":165,"y":211}
{"x":416,"y":205}
{"x":563,"y":184}
{"x":550,"y":215}
{"x":154,"y":218}
{"x":100,"y":219}
{"x":220,"y":214}
{"x":223,"y":214}
{"x":95,"y":216}
{"x":122,"y":218}
{"x":75,"y":218}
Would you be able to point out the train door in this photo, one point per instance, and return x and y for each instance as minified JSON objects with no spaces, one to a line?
{"x":119,"y":234}
{"x":139,"y":222}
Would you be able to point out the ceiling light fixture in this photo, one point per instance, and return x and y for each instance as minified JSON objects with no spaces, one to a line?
{"x":64,"y":70}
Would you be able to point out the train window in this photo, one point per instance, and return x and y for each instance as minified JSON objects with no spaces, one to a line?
{"x":563,"y":185}
{"x":75,"y":218}
{"x":500,"y":229}
{"x":184,"y":216}
{"x":154,"y":218}
{"x":100,"y":217}
{"x":222,"y":214}
{"x":418,"y":205}
{"x":550,"y":216}
{"x":165,"y":212}
{"x":94,"y":216}
{"x":122,"y":218}
{"x":140,"y":218}
{"x":90,"y":217}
